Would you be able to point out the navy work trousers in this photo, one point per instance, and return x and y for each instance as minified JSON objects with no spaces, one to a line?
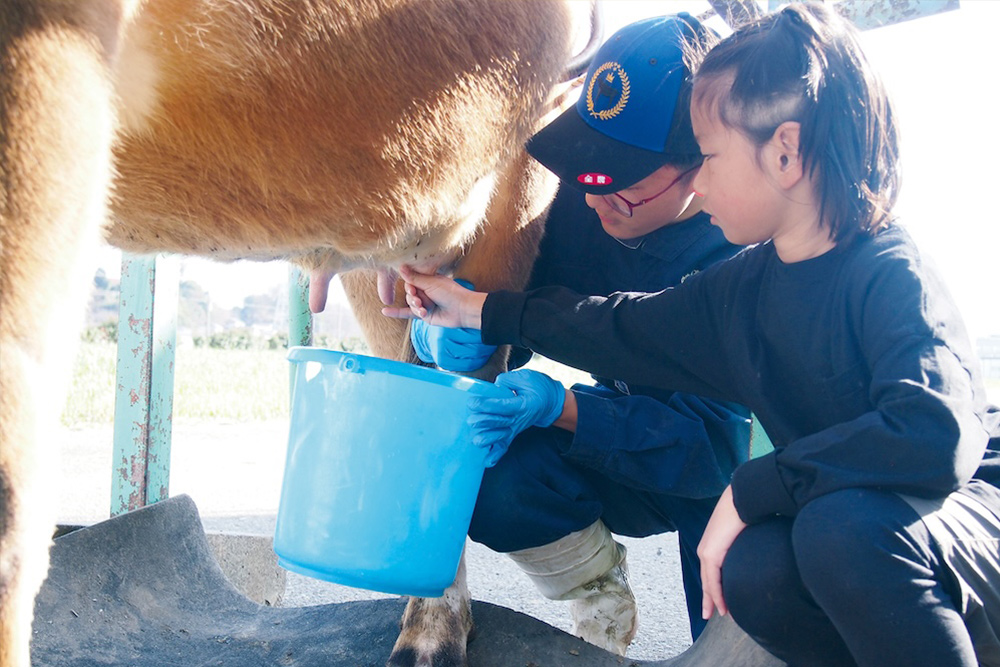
{"x":854,"y":579}
{"x":535,"y":496}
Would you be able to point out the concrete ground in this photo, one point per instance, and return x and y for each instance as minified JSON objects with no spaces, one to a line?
{"x":233,"y":473}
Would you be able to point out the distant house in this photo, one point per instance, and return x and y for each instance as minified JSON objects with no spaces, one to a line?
{"x":989,"y":353}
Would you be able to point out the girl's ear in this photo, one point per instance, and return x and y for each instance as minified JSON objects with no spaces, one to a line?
{"x":783,"y":159}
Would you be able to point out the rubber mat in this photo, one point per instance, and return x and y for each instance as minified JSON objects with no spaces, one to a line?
{"x":144,"y":590}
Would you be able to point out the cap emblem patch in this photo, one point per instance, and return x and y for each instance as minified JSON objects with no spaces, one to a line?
{"x":594,"y":179}
{"x":608,"y":91}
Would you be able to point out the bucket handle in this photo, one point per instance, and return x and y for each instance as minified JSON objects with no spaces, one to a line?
{"x":351,"y":365}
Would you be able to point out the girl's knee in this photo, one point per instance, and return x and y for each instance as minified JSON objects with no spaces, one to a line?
{"x":759,"y":571}
{"x":841,"y":536}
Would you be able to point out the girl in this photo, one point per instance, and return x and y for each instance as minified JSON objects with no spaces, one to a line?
{"x":869,"y":536}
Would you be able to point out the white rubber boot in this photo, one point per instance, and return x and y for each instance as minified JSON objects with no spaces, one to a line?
{"x":587,"y":567}
{"x":606,"y":614}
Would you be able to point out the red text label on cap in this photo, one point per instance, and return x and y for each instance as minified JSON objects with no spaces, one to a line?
{"x":594,"y":179}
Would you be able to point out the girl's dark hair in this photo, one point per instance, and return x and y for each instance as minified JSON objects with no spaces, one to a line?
{"x":682,"y":148}
{"x":804,"y":64}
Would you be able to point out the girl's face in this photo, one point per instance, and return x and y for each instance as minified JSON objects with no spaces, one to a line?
{"x":756,"y":193}
{"x":736,"y":191}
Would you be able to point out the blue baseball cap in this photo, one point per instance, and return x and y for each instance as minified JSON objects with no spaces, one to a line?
{"x":618,"y":132}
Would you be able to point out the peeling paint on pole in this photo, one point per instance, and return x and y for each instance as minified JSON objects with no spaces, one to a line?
{"x":300,"y":319}
{"x":145,"y":381}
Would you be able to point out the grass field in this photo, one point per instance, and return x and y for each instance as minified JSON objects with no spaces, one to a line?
{"x":234,"y":385}
{"x":231,"y":385}
{"x":209,"y":384}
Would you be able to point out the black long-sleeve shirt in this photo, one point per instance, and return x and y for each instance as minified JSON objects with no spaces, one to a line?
{"x":856,"y":362}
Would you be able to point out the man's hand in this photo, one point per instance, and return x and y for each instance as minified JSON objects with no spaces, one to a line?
{"x":537,"y":401}
{"x":459,"y":350}
{"x":720,"y":533}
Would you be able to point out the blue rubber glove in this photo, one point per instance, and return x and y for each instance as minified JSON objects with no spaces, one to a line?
{"x":451,"y":349}
{"x":537,"y":401}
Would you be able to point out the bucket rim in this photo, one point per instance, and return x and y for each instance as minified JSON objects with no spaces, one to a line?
{"x":369,"y":363}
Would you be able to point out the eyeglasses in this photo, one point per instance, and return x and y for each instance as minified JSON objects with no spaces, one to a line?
{"x":625,"y":207}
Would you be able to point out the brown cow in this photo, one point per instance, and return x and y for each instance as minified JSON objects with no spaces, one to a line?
{"x":339,"y":134}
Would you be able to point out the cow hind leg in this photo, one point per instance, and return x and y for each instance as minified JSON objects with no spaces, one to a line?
{"x":387,"y":338}
{"x":55,"y":148}
{"x":435,"y":631}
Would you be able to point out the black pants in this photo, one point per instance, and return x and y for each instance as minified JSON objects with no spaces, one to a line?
{"x":854,"y":579}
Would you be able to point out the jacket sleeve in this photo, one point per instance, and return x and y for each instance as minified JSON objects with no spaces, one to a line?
{"x":924,"y":432}
{"x":687,"y":446}
{"x":639,"y":338}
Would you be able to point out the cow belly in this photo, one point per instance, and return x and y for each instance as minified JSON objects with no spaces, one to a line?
{"x":339,"y":131}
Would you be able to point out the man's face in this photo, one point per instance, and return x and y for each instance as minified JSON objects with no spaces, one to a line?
{"x":663,"y":210}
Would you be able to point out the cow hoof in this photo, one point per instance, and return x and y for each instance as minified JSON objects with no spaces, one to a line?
{"x":434,"y":633}
{"x":447,"y":652}
{"x":451,"y":655}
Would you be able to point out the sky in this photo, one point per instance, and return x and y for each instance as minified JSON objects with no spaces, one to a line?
{"x":940,"y":71}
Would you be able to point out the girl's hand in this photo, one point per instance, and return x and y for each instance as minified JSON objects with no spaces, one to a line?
{"x":720,"y":533}
{"x":439,"y":300}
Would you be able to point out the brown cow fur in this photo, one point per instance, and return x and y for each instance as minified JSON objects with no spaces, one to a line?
{"x":340,"y":134}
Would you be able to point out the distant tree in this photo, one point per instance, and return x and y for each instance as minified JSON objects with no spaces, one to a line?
{"x":103,"y":305}
{"x":189,"y":289}
{"x":193,"y":308}
{"x":102,"y":333}
{"x":260,"y":309}
{"x":100,"y":280}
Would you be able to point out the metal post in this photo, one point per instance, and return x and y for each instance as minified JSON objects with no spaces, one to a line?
{"x":147,"y":335}
{"x":300,"y":321}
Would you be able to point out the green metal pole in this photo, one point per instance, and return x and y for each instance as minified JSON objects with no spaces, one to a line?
{"x":147,"y":335}
{"x":300,"y":320}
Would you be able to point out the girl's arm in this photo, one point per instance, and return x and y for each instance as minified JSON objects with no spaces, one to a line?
{"x":673,"y":340}
{"x":677,"y":339}
{"x":627,"y":335}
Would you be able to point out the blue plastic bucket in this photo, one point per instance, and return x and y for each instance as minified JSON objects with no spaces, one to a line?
{"x":380,"y":479}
